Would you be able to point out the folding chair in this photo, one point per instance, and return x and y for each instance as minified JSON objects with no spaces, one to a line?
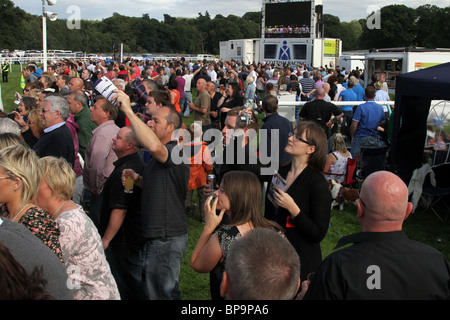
{"x":436,"y":191}
{"x":350,"y":174}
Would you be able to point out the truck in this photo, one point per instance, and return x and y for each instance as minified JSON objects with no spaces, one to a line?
{"x":289,"y":51}
{"x":394,"y":61}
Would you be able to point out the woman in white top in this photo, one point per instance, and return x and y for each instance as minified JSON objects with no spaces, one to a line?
{"x":84,"y":258}
{"x":336,"y":165}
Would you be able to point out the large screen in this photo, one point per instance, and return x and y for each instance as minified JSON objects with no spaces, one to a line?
{"x":287,"y":19}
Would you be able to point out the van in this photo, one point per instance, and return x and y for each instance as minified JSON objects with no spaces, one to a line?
{"x":208,"y":57}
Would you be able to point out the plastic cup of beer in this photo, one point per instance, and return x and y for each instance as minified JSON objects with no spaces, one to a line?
{"x":129,"y":184}
{"x":221,"y":87}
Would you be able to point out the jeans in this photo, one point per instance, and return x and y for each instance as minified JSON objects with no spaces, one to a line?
{"x":187,"y":100}
{"x":366,"y":142}
{"x":127,"y":266}
{"x":162,"y":269}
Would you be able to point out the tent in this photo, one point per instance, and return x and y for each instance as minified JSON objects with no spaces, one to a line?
{"x":413,"y":95}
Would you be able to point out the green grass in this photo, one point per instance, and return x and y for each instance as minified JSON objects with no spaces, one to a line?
{"x":10,"y":88}
{"x":424,"y":227}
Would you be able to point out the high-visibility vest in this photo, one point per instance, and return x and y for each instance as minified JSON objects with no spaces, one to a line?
{"x":5,"y":67}
{"x":22,"y":82}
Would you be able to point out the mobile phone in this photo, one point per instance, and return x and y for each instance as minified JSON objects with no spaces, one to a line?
{"x":11,"y":115}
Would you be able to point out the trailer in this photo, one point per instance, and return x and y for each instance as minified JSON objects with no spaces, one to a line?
{"x":395,"y":61}
{"x":288,"y":51}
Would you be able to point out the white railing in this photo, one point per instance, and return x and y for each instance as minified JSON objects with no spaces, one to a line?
{"x":288,"y":110}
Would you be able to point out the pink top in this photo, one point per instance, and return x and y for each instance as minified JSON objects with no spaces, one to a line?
{"x":99,"y":157}
{"x":89,"y":273}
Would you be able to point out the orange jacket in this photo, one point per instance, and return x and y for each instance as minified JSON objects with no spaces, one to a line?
{"x":201,"y":164}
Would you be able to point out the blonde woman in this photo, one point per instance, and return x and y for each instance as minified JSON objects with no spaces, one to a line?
{"x":336,"y":165}
{"x":84,"y":258}
{"x":20,"y":177}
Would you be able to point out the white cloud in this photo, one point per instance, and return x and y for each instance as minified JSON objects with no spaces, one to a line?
{"x":346,"y":10}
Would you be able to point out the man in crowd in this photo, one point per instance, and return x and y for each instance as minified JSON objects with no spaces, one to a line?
{"x":99,"y":156}
{"x":202,"y":105}
{"x":164,"y":186}
{"x":120,"y":220}
{"x":57,"y":139}
{"x":366,"y":121}
{"x":261,"y":266}
{"x":321,"y":111}
{"x":382,"y":263}
{"x":78,"y":106}
{"x":282,"y":127}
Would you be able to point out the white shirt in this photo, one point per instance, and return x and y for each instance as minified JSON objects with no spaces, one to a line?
{"x":187,"y":84}
{"x":213,"y":75}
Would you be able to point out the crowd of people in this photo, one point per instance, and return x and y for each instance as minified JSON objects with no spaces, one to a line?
{"x":67,"y":152}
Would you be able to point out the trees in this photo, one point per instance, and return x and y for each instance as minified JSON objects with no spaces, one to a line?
{"x":425,"y":26}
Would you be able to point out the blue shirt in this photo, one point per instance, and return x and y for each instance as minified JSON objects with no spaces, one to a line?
{"x":347,"y":95}
{"x":368,"y":115}
{"x":360,"y":93}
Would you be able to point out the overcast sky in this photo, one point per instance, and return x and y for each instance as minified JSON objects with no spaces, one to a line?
{"x":346,"y":10}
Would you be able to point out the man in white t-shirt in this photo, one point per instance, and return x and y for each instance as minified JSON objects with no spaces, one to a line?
{"x":212,"y":73}
{"x":187,"y":90}
{"x":253,"y":73}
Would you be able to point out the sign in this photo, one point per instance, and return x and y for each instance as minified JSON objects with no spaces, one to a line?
{"x":423,"y":65}
{"x":330,"y":47}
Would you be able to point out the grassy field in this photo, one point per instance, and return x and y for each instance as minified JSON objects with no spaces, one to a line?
{"x":424,"y":227}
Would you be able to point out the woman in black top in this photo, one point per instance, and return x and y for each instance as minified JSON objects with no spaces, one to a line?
{"x":231,"y":99}
{"x":303,"y":208}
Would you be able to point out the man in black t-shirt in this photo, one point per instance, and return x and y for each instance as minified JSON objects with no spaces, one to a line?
{"x":164,"y":186}
{"x":382,"y":263}
{"x":321,"y":111}
{"x":121,"y":222}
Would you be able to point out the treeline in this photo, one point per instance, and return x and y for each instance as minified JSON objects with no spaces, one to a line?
{"x":425,"y":26}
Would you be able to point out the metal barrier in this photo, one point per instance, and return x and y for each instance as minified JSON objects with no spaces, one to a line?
{"x":288,"y":109}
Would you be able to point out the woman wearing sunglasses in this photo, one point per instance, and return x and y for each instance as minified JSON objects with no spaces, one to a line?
{"x":303,"y":207}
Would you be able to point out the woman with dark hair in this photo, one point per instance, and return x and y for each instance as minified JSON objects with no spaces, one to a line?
{"x":239,"y":197}
{"x":17,"y":283}
{"x":232,"y":98}
{"x":332,"y":80}
{"x":174,"y":93}
{"x":303,"y":206}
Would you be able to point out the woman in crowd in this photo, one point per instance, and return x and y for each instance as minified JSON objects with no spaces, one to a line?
{"x":230,"y":99}
{"x":302,"y":205}
{"x":8,"y":139}
{"x":17,"y":283}
{"x":174,"y":93}
{"x":26,"y":105}
{"x":261,"y":86}
{"x":33,"y":128}
{"x":249,"y":94}
{"x":239,"y":197}
{"x":81,"y":244}
{"x":20,"y":177}
{"x":336,"y":165}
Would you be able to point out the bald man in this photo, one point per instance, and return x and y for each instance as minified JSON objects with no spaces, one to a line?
{"x":202,"y":105}
{"x":76,"y":84}
{"x":382,"y":263}
{"x":321,"y":111}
